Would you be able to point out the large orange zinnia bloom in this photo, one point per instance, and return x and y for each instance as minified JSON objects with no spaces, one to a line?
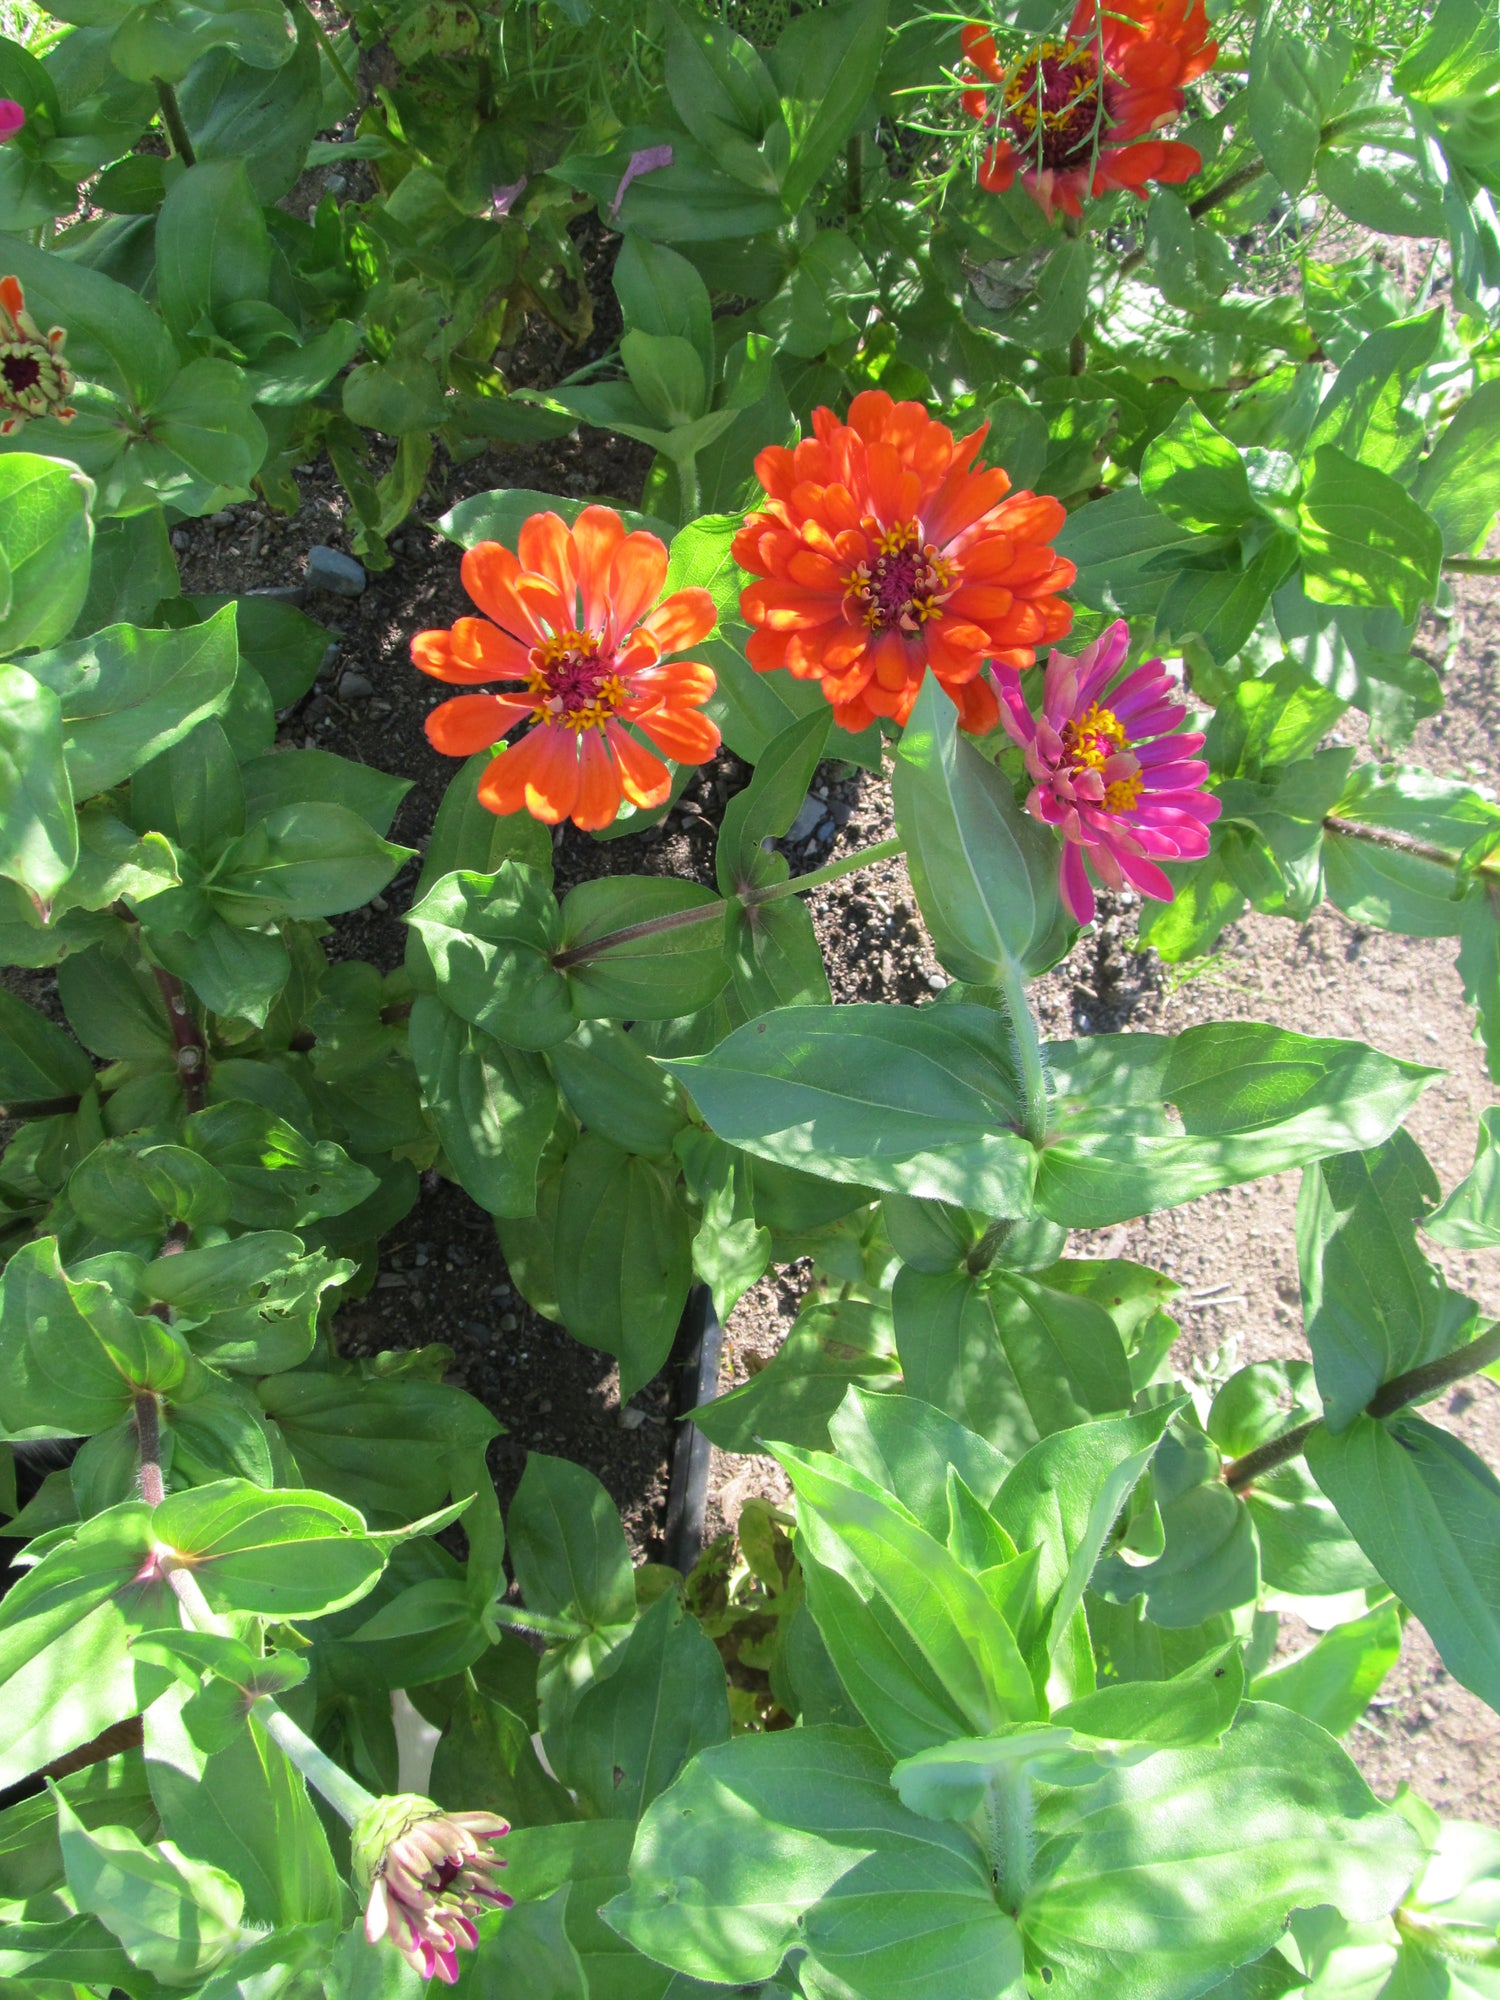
{"x":569,"y":616}
{"x":880,"y":553}
{"x":1075,"y":115}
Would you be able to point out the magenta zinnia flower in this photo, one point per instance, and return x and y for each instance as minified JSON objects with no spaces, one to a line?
{"x":1113,"y":772}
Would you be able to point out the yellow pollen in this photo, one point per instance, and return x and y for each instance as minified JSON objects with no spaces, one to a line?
{"x":901,"y":587}
{"x":1094,"y":738}
{"x":577,"y":682}
{"x":1123,"y":793}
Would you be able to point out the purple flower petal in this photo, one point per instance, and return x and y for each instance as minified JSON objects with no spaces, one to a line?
{"x":647,"y":161}
{"x":503,"y":200}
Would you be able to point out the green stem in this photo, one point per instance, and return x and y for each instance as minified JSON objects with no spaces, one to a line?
{"x":989,"y":1246}
{"x":854,"y":199}
{"x":171,"y":117}
{"x":1009,"y":1807}
{"x":1421,"y":850}
{"x":335,"y":59}
{"x":687,"y":488}
{"x":346,"y":1795}
{"x":1471,"y":565}
{"x":514,"y":1619}
{"x":1026,"y":1045}
{"x":146,"y":1411}
{"x":40,"y":1107}
{"x":702,"y":913}
{"x":1415,"y":1386}
{"x":847,"y":864}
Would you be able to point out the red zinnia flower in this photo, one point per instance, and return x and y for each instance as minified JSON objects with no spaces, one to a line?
{"x":1119,"y":783}
{"x":572,"y":621}
{"x":879,"y":553}
{"x":1075,"y":115}
{"x":33,"y":379}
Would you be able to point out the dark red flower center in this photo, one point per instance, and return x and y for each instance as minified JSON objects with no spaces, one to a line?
{"x":902,"y":585}
{"x":1053,"y":106}
{"x":21,"y":371}
{"x":577,"y":680}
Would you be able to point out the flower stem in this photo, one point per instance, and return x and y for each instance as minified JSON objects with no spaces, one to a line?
{"x":1026,"y":1046}
{"x":171,"y":117}
{"x":1471,"y":565}
{"x":187,"y":1037}
{"x":514,"y":1619}
{"x":989,"y":1246}
{"x":1421,"y":850}
{"x":346,"y":1795}
{"x":146,"y":1412}
{"x":1414,"y":1386}
{"x":687,"y":488}
{"x":847,"y":864}
{"x":1009,"y":1807}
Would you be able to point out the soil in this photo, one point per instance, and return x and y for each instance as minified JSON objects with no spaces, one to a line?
{"x":441,"y":1276}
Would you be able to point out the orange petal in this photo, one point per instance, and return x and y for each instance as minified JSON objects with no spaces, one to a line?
{"x":978,"y":706}
{"x":538,"y":775}
{"x":471,"y":722}
{"x":598,"y":784}
{"x":483,"y":650}
{"x":636,"y":575}
{"x":597,"y":533}
{"x":546,"y":547}
{"x":489,"y":575}
{"x":683,"y":733}
{"x":676,"y":684}
{"x":683,"y":619}
{"x":644,"y":779}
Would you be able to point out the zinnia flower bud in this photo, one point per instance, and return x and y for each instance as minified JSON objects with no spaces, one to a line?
{"x":12,"y":118}
{"x":428,"y":1876}
{"x":34,"y":382}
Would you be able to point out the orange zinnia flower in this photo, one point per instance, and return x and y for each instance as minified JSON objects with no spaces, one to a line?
{"x":569,"y":616}
{"x":880,"y":553}
{"x":1074,"y":115}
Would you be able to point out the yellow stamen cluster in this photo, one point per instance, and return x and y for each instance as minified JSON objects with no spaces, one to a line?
{"x":579,"y":687}
{"x":903,"y":585}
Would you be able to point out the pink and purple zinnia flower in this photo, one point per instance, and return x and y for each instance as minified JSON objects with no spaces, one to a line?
{"x":1112,"y":770}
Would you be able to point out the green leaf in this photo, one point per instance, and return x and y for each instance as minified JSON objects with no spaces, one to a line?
{"x":1195,"y":475}
{"x":45,"y":534}
{"x":72,"y":1355}
{"x":1364,"y":540}
{"x":624,"y":1256}
{"x":1332,"y":1683}
{"x":771,"y":801}
{"x":125,"y":1190}
{"x":921,"y":1102}
{"x":287,"y":777}
{"x":651,"y":978}
{"x":1251,"y":1099}
{"x":1200,"y":1540}
{"x":192,"y":793}
{"x":614,"y":1090}
{"x":825,"y":66}
{"x":1276,"y":1819}
{"x":723,"y":94}
{"x":304,"y":860}
{"x":902,"y":1595}
{"x":254,"y":1300}
{"x":663,"y":1701}
{"x":38,"y":831}
{"x":1373,"y":1305}
{"x":279,"y":1178}
{"x":659,"y":291}
{"x":114,"y":337}
{"x":1470,"y":1217}
{"x":567,"y":1546}
{"x":1364,"y":414}
{"x":491,"y":940}
{"x":985,"y":874}
{"x":1426,"y":1512}
{"x":36,"y":1059}
{"x":1294,"y":79}
{"x":494,"y":1107}
{"x":1456,"y":482}
{"x":797,"y":1839}
{"x":286,"y":1554}
{"x":832,"y":1346}
{"x":466,"y":835}
{"x":910,"y":1449}
{"x":1193,"y":1707}
{"x":212,"y":251}
{"x":66,"y":1670}
{"x":174,"y":1917}
{"x":128,"y":694}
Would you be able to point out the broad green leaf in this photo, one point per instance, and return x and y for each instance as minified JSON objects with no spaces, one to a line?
{"x":1333,"y":1681}
{"x":833,"y":1345}
{"x":1201,"y":1547}
{"x":37,"y":1061}
{"x":798,"y":1839}
{"x":113,"y":336}
{"x":72,"y":1355}
{"x":769,"y":804}
{"x":1364,"y":414}
{"x":1251,"y":1100}
{"x":38,"y":831}
{"x":1294,"y":79}
{"x":1193,"y":1707}
{"x":1426,"y":1512}
{"x":920,"y":1102}
{"x":66,"y":1669}
{"x":174,"y":1917}
{"x":212,"y":251}
{"x":467,"y":836}
{"x":616,"y":1091}
{"x":624,"y":1256}
{"x":825,"y":65}
{"x":721,"y":91}
{"x":45,"y":534}
{"x":490,"y":940}
{"x":965,"y":1657}
{"x":1470,"y":1217}
{"x":1373,"y":1304}
{"x":1197,"y":477}
{"x":630,"y":1734}
{"x":1167,"y":1874}
{"x":286,"y":1554}
{"x":659,"y":291}
{"x":304,"y":860}
{"x":494,"y":1107}
{"x":567,"y":1546}
{"x":125,"y":1190}
{"x":1364,"y":540}
{"x":652,"y":978}
{"x":985,"y":874}
{"x":287,"y":776}
{"x":1456,"y":482}
{"x":279,"y":1179}
{"x":910,"y":1449}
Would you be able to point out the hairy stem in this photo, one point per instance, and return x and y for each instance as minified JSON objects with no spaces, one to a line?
{"x":171,"y":117}
{"x":187,"y":1037}
{"x":40,"y":1107}
{"x":1421,"y":850}
{"x":146,"y":1412}
{"x":514,"y":1619}
{"x":702,"y":913}
{"x":989,"y":1246}
{"x":1414,"y":1386}
{"x":688,"y":499}
{"x":346,"y":1795}
{"x":1010,"y":1812}
{"x":1026,"y":1046}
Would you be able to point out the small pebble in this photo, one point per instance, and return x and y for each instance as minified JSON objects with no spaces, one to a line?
{"x":355,"y":686}
{"x":326,"y":664}
{"x":826,"y":829}
{"x":181,"y":539}
{"x":806,"y":820}
{"x":280,"y":593}
{"x":223,"y":519}
{"x":335,"y":184}
{"x":331,"y":570}
{"x":938,"y":982}
{"x":476,"y":1329}
{"x":1427,"y":1712}
{"x":379,"y":905}
{"x":631,"y":1419}
{"x":509,"y":1322}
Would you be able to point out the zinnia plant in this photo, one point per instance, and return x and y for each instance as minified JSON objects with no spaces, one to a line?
{"x":1113,"y":770}
{"x":1077,"y":116}
{"x":428,"y":1875}
{"x":882,"y":550}
{"x":34,"y":382}
{"x":570,"y":617}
